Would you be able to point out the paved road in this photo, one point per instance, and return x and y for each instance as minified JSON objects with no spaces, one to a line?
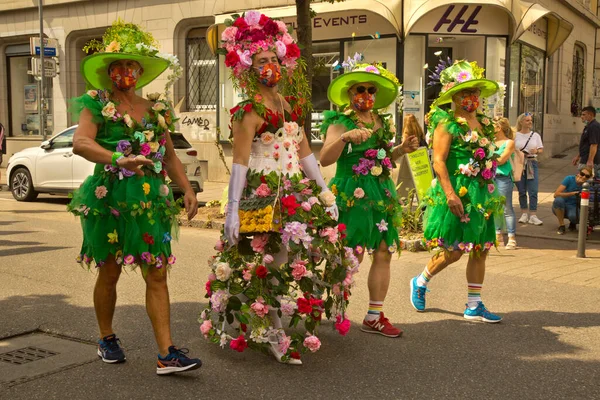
{"x":547,"y":347}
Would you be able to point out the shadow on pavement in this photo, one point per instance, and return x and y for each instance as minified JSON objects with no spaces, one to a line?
{"x":531,"y":354}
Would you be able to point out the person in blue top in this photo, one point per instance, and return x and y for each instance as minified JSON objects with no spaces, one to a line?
{"x":565,"y":199}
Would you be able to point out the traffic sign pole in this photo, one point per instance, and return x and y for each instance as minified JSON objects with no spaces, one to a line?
{"x":43,"y":72}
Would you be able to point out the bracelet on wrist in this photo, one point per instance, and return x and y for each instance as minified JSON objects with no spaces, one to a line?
{"x":116,"y":156}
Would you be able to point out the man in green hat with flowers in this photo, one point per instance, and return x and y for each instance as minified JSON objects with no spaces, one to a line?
{"x":463,"y":198}
{"x":127,"y":211}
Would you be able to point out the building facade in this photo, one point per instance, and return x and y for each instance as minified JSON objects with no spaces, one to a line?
{"x":543,"y":52}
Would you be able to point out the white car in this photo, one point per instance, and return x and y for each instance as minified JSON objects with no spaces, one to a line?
{"x":54,"y":168}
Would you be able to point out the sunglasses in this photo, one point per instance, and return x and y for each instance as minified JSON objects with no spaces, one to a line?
{"x":584,"y":175}
{"x":371,"y":90}
{"x":528,"y":114}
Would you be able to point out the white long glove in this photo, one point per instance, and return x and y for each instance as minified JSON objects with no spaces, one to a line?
{"x":312,"y":171}
{"x":237,"y":182}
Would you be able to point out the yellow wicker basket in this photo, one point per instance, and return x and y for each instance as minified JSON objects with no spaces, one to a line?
{"x":260,"y":215}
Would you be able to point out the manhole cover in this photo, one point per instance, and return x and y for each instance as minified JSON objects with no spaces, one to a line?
{"x":37,"y":354}
{"x":26,"y":355}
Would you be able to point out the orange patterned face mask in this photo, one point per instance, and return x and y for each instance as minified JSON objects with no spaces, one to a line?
{"x":124,"y":77}
{"x":269,"y":74}
{"x":363,"y":101}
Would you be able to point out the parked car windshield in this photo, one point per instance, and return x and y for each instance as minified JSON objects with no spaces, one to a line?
{"x":180,"y":142}
{"x":63,"y":140}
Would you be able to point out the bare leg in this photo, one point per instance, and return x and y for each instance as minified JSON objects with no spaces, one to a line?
{"x":158,"y":308}
{"x":105,"y":295}
{"x":442,"y":260}
{"x":476,"y":268}
{"x":560,"y":215}
{"x":379,"y":274}
{"x":278,"y":259}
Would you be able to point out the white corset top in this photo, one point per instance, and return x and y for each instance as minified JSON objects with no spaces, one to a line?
{"x":277,"y":151}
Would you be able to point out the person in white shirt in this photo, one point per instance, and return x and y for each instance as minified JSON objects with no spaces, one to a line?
{"x":530,"y":143}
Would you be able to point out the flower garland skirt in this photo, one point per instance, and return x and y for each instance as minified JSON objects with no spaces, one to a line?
{"x":132,"y":219}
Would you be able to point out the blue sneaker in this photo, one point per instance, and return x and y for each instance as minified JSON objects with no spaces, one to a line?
{"x":109,"y":350}
{"x":176,"y":361}
{"x":417,"y":295}
{"x":480,"y":313}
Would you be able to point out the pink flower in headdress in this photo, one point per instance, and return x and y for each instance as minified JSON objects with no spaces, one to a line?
{"x":463,"y":76}
{"x":282,"y":26}
{"x":252,"y":17}
{"x":228,"y":34}
{"x":372,"y":69}
{"x":287,"y":39}
{"x":245,"y":57}
{"x":281,"y":48}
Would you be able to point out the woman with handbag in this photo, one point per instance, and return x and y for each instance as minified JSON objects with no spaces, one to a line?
{"x":505,"y":147}
{"x":283,"y":253}
{"x":530,"y":143}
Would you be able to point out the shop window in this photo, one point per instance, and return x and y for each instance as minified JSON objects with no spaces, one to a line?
{"x":23,"y":90}
{"x":201,"y":77}
{"x":577,"y":79}
{"x":532,"y":84}
{"x":324,"y":54}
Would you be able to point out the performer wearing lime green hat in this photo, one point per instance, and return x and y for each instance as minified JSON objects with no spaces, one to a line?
{"x":360,"y":139}
{"x":463,"y":199}
{"x":127,"y":211}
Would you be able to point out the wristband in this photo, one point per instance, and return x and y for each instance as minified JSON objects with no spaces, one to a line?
{"x":115,"y":157}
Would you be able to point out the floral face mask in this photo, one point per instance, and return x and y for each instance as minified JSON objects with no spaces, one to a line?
{"x":363,"y":101}
{"x":469,"y":102}
{"x":124,"y":78}
{"x":269,"y":74}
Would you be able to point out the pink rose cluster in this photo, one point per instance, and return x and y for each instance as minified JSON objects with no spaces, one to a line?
{"x":253,"y":33}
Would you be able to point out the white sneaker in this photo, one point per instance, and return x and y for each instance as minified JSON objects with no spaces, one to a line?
{"x":511,"y":245}
{"x":534,"y":220}
{"x":524,"y":218}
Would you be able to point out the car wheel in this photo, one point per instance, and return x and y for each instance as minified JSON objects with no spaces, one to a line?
{"x":22,"y":186}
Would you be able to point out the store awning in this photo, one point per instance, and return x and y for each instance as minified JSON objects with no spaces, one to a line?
{"x":391,"y":10}
{"x":559,"y":28}
{"x":414,"y":10}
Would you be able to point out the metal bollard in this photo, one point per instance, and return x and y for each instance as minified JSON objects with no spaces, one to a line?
{"x":583,"y":219}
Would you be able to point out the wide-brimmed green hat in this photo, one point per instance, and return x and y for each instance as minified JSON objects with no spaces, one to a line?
{"x":123,"y":41}
{"x":464,"y":75}
{"x":385,"y":81}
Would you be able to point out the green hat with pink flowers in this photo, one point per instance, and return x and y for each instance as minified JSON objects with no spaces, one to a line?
{"x":461,"y":75}
{"x":388,"y":86}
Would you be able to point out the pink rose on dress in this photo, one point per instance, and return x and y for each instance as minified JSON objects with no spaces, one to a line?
{"x":145,"y":149}
{"x":298,"y":269}
{"x":247,"y":274}
{"x":260,"y":308}
{"x":330,"y":233}
{"x":212,"y":277}
{"x":306,"y":206}
{"x":491,"y":187}
{"x":263,"y":190}
{"x":487,"y":173}
{"x":479,"y":154}
{"x":101,"y":192}
{"x":288,"y":309}
{"x":206,"y":327}
{"x":371,"y":153}
{"x":268,"y":259}
{"x":386,"y":162}
{"x":220,"y":246}
{"x":313,"y":200}
{"x":342,"y":326}
{"x":312,"y":343}
{"x":259,"y":242}
{"x":336,"y":289}
{"x":359,"y":193}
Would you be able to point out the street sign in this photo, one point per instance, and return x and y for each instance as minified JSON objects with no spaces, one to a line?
{"x":49,"y":67}
{"x":50,"y":46}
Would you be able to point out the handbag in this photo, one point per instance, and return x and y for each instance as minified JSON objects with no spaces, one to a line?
{"x":260,"y":215}
{"x":517,"y":162}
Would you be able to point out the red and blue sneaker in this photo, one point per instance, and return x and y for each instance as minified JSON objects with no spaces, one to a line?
{"x":109,"y":350}
{"x":176,"y":361}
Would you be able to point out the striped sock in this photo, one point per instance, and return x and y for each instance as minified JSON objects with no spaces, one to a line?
{"x":375,"y":308}
{"x":474,"y":295}
{"x":424,"y":278}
